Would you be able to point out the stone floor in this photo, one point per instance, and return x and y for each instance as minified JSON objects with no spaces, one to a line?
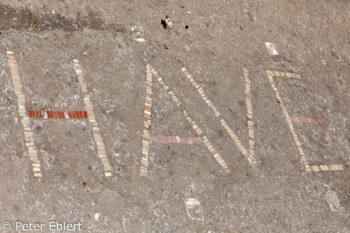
{"x":175,"y":116}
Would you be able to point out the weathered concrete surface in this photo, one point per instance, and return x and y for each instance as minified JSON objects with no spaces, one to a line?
{"x":313,"y":40}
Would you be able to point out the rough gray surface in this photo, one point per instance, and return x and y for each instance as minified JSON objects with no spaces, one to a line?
{"x":313,"y":39}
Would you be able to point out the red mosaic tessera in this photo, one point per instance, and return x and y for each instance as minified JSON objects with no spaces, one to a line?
{"x":57,"y":115}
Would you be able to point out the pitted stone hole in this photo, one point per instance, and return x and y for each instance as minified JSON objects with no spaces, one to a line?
{"x":163,"y":23}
